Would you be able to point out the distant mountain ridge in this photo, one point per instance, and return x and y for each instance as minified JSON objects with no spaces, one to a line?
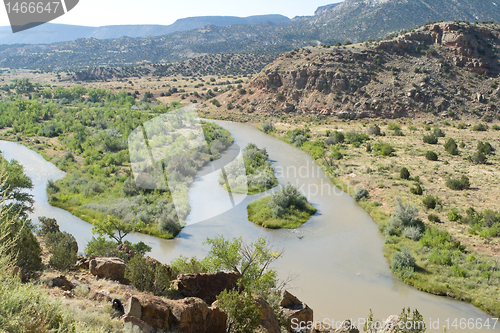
{"x":353,"y":20}
{"x":54,"y":33}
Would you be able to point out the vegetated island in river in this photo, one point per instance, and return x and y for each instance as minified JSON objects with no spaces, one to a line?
{"x":257,"y":168}
{"x":287,"y":208}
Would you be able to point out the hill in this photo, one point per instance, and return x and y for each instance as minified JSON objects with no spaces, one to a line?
{"x":55,"y":33}
{"x":352,"y":20}
{"x":444,"y":68}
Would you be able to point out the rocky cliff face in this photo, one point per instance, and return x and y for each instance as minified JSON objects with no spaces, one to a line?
{"x":444,"y":68}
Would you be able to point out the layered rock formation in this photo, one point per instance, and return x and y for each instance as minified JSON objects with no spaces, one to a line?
{"x":447,"y":69}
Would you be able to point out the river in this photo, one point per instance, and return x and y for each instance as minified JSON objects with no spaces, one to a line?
{"x":335,"y":261}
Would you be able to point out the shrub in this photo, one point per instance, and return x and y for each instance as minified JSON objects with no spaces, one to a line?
{"x":404,"y":173}
{"x":451,"y":147}
{"x":480,"y":127}
{"x":403,"y":259}
{"x":338,"y":137}
{"x":63,"y":248}
{"x":52,"y":187}
{"x":383,"y":148}
{"x":129,"y":187}
{"x":458,"y":271}
{"x":458,"y":184}
{"x":429,"y":202}
{"x":479,"y":158}
{"x":374,"y":130}
{"x":431,"y":156}
{"x":495,"y":128}
{"x":93,"y":188}
{"x":433,"y":218}
{"x":485,"y":147}
{"x":393,"y":126}
{"x":430,"y":139}
{"x":439,"y":133}
{"x":287,"y":197}
{"x":417,"y":190}
{"x":100,"y":246}
{"x":405,"y":216}
{"x":148,"y":276}
{"x":266,"y":127}
{"x":413,"y":233}
{"x":47,"y":225}
{"x":454,"y":215}
{"x":360,"y":193}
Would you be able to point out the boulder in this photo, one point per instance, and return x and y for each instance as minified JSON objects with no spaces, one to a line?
{"x":205,"y":286}
{"x":63,"y":283}
{"x":188,"y":315}
{"x":143,"y":327}
{"x":268,"y":321}
{"x":295,"y":310}
{"x":108,"y":268}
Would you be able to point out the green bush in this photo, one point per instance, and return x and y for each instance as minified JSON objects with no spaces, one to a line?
{"x":439,"y":133}
{"x":284,"y":199}
{"x":429,"y":202}
{"x":479,"y":158}
{"x":338,"y":137}
{"x":480,"y":127}
{"x":404,"y":173}
{"x":451,"y":147}
{"x":430,"y":139}
{"x":267,"y":127}
{"x":458,"y":184}
{"x":454,"y":215}
{"x":403,"y":259}
{"x":431,"y":156}
{"x":413,"y":233}
{"x":360,"y":193}
{"x":100,"y":246}
{"x":417,"y":190}
{"x":433,"y":218}
{"x":148,"y":276}
{"x":47,"y":225}
{"x":384,"y":148}
{"x":63,"y":249}
{"x":485,"y":147}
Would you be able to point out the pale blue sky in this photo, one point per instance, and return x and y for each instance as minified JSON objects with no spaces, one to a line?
{"x":111,"y":12}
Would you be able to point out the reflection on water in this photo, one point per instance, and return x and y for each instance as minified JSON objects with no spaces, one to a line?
{"x":337,"y":265}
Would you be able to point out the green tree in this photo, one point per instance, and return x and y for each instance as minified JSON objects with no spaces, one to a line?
{"x":404,"y":173}
{"x":451,"y":147}
{"x":243,"y":314}
{"x":116,"y":229}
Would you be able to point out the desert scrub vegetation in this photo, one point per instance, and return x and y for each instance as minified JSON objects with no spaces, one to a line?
{"x":257,"y":168}
{"x":433,"y":270}
{"x":286,"y":208}
{"x":85,"y":133}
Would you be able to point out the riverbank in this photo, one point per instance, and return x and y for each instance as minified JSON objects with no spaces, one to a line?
{"x":467,"y":274}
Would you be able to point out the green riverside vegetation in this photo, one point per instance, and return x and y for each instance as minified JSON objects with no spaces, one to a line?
{"x":84,"y":132}
{"x":286,"y":208}
{"x":259,"y":172}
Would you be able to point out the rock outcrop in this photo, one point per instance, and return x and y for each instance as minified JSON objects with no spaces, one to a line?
{"x":445,"y":69}
{"x":205,"y":286}
{"x":295,"y":310}
{"x":268,"y":321}
{"x":188,"y":315}
{"x":108,"y":268}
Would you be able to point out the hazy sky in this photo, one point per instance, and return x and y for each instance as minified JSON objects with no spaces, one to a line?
{"x":111,"y":12}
